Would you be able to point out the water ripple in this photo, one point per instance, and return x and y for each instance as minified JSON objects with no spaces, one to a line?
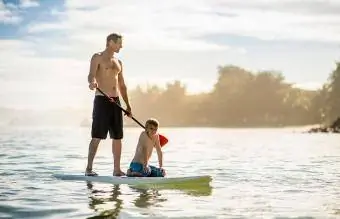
{"x":278,"y":176}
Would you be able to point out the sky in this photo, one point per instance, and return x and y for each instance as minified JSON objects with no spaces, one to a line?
{"x":46,"y":46}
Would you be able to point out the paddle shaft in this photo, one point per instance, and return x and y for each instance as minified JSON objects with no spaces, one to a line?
{"x":163,"y":140}
{"x":122,"y":108}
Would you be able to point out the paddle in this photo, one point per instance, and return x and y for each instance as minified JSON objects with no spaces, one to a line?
{"x":162,"y":139}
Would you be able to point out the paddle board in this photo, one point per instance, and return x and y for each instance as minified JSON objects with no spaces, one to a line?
{"x":134,"y":180}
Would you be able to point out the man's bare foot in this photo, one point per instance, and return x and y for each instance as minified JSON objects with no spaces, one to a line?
{"x":89,"y":172}
{"x":118,"y":173}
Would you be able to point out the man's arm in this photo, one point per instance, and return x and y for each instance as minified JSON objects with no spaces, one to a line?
{"x":159,"y":153}
{"x":122,"y":86}
{"x":91,"y":78}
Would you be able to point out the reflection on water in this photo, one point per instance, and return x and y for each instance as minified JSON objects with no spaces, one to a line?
{"x":111,"y":206}
{"x":96,"y":200}
{"x":257,"y":173}
{"x":109,"y":203}
{"x":147,"y":197}
{"x":200,"y":187}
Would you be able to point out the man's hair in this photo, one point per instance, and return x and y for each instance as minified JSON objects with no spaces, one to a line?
{"x":114,"y":37}
{"x":152,"y":122}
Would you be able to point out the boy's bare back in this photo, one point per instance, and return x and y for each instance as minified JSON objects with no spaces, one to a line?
{"x":144,"y":148}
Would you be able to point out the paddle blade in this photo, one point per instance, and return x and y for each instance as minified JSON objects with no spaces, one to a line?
{"x":162,"y":140}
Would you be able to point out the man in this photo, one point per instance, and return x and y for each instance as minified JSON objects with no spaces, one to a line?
{"x":148,"y":140}
{"x":106,"y":73}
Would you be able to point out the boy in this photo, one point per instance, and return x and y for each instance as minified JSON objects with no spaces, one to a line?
{"x":148,"y":140}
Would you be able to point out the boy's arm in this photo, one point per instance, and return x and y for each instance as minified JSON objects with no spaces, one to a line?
{"x":159,"y":153}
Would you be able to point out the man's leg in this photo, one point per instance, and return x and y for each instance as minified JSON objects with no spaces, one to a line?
{"x":117,"y":152}
{"x":93,"y":146}
{"x":99,"y":130}
{"x":116,"y":134}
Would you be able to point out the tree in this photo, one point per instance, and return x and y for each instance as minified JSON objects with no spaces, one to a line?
{"x":333,"y":97}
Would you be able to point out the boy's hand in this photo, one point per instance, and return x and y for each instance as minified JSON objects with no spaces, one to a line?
{"x":163,"y":171}
{"x":147,"y":170}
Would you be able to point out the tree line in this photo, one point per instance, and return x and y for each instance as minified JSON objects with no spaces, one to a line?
{"x":240,"y":98}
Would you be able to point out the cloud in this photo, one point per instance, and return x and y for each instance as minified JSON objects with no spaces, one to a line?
{"x":28,"y":3}
{"x":54,"y":55}
{"x":8,"y":14}
{"x":49,"y":81}
{"x":183,"y":25}
{"x":307,"y":7}
{"x":11,"y":13}
{"x":33,"y":80}
{"x":156,"y":27}
{"x":315,"y":21}
{"x":309,"y":85}
{"x":23,"y":64}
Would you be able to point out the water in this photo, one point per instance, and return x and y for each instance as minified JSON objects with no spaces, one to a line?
{"x":257,"y":173}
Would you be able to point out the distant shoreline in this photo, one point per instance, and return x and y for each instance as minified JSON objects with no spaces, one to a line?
{"x":164,"y":126}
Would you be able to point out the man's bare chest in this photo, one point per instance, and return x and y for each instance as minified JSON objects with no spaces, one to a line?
{"x":110,"y":66}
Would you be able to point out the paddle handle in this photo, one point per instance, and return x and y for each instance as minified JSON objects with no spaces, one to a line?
{"x":162,"y":139}
{"x":122,"y":108}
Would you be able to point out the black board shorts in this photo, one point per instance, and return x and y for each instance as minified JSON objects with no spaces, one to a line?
{"x":107,"y":117}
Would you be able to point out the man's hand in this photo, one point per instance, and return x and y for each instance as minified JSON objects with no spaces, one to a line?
{"x":93,"y":85}
{"x":128,"y":109}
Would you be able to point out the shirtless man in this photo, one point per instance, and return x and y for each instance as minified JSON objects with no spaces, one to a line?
{"x":148,"y":140}
{"x":106,"y":73}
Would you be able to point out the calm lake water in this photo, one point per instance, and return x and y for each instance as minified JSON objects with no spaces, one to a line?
{"x":256,"y":173}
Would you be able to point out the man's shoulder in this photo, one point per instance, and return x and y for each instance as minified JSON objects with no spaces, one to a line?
{"x":97,"y":55}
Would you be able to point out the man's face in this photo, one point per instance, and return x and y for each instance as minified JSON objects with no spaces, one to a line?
{"x":116,"y":46}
